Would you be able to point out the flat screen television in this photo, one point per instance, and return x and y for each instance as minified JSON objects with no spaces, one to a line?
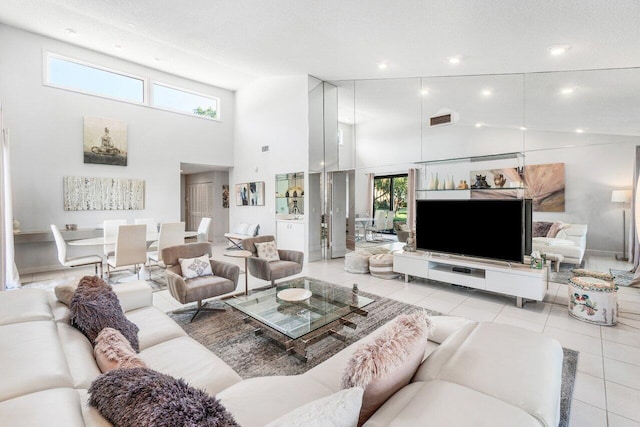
{"x":482,"y":228}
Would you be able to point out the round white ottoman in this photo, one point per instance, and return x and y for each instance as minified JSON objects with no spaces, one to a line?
{"x":357,"y":262}
{"x":593,"y":300}
{"x":381,"y":266}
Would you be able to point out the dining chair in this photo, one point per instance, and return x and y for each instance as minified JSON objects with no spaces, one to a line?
{"x":130,"y":248}
{"x":110,"y":228}
{"x":379,"y":223}
{"x":171,"y":234}
{"x":203,"y":229}
{"x":61,"y":244}
{"x":152,"y":228}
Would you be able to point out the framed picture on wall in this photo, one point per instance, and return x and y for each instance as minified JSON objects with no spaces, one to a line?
{"x":105,"y":141}
{"x":250,"y":194}
{"x":225,"y":196}
{"x":256,"y":193}
{"x":242,"y":194}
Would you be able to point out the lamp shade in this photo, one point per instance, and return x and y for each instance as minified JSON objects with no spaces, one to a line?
{"x":621,"y":196}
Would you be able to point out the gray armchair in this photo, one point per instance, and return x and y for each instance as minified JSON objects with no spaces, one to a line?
{"x":290,"y":263}
{"x":223,"y":281}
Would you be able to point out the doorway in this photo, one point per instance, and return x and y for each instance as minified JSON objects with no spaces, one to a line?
{"x":390,"y":194}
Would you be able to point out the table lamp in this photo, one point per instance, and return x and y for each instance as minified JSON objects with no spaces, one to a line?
{"x":622,"y":196}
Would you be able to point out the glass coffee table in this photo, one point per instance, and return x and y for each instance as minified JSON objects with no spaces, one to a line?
{"x":296,"y":322}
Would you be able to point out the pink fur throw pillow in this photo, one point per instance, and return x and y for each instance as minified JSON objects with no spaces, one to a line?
{"x":387,"y":364}
{"x":556,"y":227}
{"x":113,"y":351}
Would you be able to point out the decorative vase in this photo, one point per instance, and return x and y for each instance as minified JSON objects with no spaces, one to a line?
{"x":441,"y":185}
{"x":432,"y":184}
{"x":450,"y":184}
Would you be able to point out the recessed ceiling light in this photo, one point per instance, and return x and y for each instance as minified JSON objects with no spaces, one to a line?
{"x":71,"y":32}
{"x":454,"y":59}
{"x":558,"y":49}
{"x":579,"y":130}
{"x":567,"y":91}
{"x":117,"y":47}
{"x":424,"y":92}
{"x":383,"y":65}
{"x":479,"y":124}
{"x":487,"y":92}
{"x":131,"y":24}
{"x":523,"y":128}
{"x":155,"y":58}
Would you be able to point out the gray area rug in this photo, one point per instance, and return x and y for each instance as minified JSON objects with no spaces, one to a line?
{"x":233,"y":340}
{"x":156,"y":278}
{"x":622,"y":277}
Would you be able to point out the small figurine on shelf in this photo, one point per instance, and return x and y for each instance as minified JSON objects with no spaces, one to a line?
{"x":481,"y":182}
{"x":499,"y":180}
{"x":410,"y":243}
{"x":463,"y":185}
{"x":286,"y":194}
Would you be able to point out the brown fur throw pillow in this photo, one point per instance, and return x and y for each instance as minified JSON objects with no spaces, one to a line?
{"x":144,"y":397}
{"x":387,"y":364}
{"x":95,"y":306}
{"x":113,"y":351}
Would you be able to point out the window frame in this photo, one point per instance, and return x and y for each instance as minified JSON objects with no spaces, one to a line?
{"x":181,"y":89}
{"x":46,"y":80}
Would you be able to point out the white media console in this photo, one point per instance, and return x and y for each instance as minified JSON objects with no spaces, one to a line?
{"x":513,"y":279}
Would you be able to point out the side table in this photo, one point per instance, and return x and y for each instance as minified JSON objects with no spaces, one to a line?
{"x":241,"y":254}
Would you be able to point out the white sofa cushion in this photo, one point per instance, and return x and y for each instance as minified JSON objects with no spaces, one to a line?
{"x":33,"y":359}
{"x":58,"y":407}
{"x":255,"y":402}
{"x":155,"y":326}
{"x":446,"y":404}
{"x":22,"y":305}
{"x":79,"y":354}
{"x":187,"y":358}
{"x":489,"y":358}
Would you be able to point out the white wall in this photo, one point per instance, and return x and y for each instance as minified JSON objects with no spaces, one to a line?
{"x":270,"y":111}
{"x":46,"y":127}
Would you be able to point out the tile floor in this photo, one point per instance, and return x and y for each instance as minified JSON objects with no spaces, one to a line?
{"x":607,"y":388}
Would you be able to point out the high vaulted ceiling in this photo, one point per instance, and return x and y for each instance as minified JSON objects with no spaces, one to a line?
{"x":228,"y":43}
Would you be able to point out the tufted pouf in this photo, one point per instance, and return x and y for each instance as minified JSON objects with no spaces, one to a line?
{"x":593,"y":300}
{"x":381,"y":266}
{"x":357,"y":262}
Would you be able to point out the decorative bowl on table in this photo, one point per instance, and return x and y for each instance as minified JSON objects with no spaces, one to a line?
{"x":294,"y":294}
{"x":71,"y":226}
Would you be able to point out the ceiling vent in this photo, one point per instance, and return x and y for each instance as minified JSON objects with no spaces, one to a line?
{"x":265,"y":148}
{"x":440,"y":120}
{"x":444,"y":116}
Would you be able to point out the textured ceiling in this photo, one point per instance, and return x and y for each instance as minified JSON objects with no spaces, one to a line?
{"x":228,"y":43}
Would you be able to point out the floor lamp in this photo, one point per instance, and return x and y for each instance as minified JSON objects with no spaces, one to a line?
{"x":624,"y":197}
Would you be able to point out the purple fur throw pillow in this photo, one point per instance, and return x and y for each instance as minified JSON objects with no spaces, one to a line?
{"x":95,"y":306}
{"x":144,"y":397}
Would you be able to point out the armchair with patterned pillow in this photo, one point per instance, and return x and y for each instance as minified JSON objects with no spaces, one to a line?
{"x":192,"y":276}
{"x":269,"y":263}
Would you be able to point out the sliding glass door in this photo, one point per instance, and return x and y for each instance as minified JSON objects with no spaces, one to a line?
{"x":390,"y":193}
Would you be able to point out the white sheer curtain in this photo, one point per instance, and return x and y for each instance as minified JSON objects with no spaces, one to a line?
{"x":411,"y":198}
{"x":370,"y":179}
{"x":10,"y":277}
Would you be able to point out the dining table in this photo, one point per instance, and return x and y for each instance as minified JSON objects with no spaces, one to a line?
{"x":362,"y":222}
{"x":99,"y":241}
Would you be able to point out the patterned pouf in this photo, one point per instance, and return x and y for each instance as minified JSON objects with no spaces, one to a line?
{"x":357,"y":262}
{"x":381,"y":266}
{"x":593,"y":300}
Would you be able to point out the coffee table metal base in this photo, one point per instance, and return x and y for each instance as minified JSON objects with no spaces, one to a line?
{"x":298,"y":346}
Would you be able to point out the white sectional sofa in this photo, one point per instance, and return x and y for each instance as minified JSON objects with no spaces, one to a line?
{"x":473,"y":373}
{"x":570,"y":242}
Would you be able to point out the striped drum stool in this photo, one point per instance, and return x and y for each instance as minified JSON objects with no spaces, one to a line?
{"x":593,"y":300}
{"x":381,"y":266}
